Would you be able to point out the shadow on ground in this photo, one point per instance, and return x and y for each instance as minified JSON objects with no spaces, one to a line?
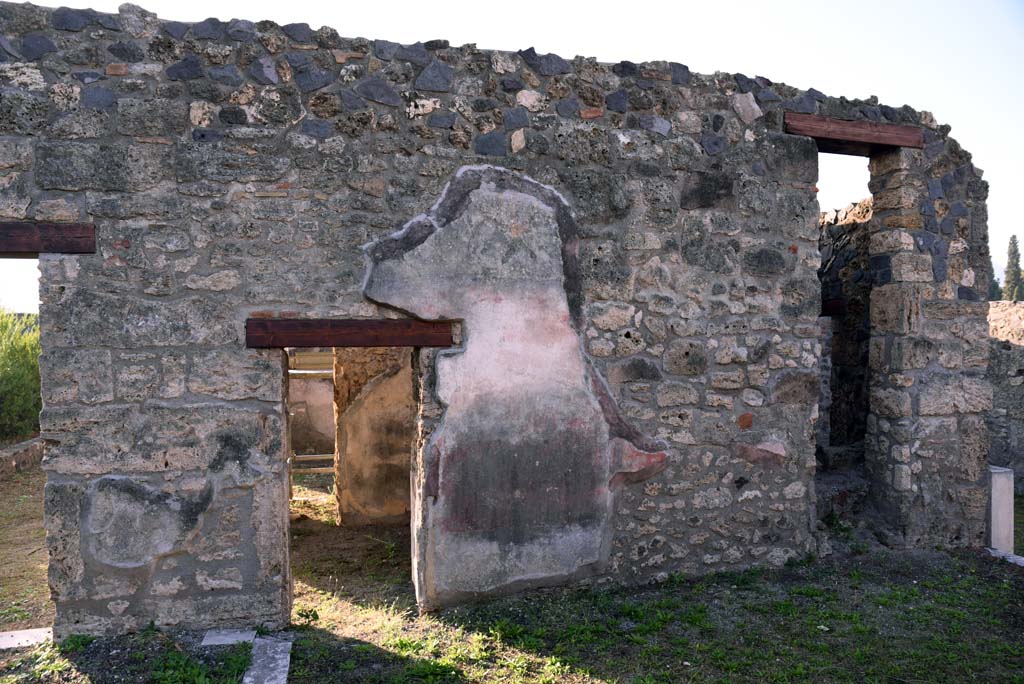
{"x":875,"y":617}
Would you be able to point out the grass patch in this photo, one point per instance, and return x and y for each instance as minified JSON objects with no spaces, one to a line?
{"x":24,"y":590}
{"x":1018,"y":525}
{"x":872,"y":617}
{"x":149,"y":657}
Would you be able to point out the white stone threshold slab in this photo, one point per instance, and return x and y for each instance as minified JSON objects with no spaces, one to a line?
{"x":271,"y":656}
{"x":24,"y":637}
{"x":1011,"y":557}
{"x":271,"y":659}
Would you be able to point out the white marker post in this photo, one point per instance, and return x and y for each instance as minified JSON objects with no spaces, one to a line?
{"x":1000,"y":509}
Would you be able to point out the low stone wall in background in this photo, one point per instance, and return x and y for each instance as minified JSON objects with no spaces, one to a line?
{"x":21,"y":456}
{"x":1006,"y":372}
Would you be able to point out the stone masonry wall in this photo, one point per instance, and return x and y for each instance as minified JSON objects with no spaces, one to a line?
{"x":1006,"y":373}
{"x":926,"y":444}
{"x":235,"y":169}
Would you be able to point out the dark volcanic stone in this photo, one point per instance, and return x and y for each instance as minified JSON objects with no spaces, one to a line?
{"x":309,"y":77}
{"x":545,"y":65}
{"x":617,"y":101}
{"x":242,"y":30}
{"x":206,"y":135}
{"x":233,"y":114}
{"x":175,"y":29}
{"x":351,"y":102}
{"x":297,"y":59}
{"x":511,"y":85}
{"x":568,"y":108}
{"x":264,"y":71}
{"x":437,"y":44}
{"x":35,"y":45}
{"x":491,"y":144}
{"x":805,"y":104}
{"x":227,"y":74}
{"x":712,"y":144}
{"x":300,"y":33}
{"x":484,"y":104}
{"x":98,"y":97}
{"x":745,"y":84}
{"x":415,"y":53}
{"x":967,"y":294}
{"x":517,"y":117}
{"x":655,"y":124}
{"x":107,"y":21}
{"x":625,"y":68}
{"x":67,"y":19}
{"x":188,"y":69}
{"x":442,"y":119}
{"x":208,"y":29}
{"x":767,"y":95}
{"x":318,"y":128}
{"x":680,"y":74}
{"x":764,"y":261}
{"x":6,"y":46}
{"x":437,"y":77}
{"x":127,"y":51}
{"x":385,"y":49}
{"x":378,"y":90}
{"x":705,"y":190}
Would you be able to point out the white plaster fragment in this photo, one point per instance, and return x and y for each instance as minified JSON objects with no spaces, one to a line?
{"x":227,"y":637}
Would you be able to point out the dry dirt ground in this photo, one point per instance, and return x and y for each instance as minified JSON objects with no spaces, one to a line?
{"x":24,"y":592}
{"x":878,"y":616}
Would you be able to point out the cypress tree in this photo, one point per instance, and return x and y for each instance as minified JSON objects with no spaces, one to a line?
{"x":1013,"y":289}
{"x":995,"y":291}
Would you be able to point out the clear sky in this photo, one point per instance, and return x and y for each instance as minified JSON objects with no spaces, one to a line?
{"x":963,"y":61}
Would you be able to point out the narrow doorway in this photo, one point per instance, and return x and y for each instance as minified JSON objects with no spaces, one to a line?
{"x":24,"y":589}
{"x":350,"y":507}
{"x":846,"y":282}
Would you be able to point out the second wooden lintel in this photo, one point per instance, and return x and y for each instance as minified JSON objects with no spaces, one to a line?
{"x":265,"y":333}
{"x":862,"y":138}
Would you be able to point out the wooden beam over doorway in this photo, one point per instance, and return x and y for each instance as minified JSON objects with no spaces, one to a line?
{"x":264,"y":333}
{"x":29,"y":239}
{"x":861,"y":138}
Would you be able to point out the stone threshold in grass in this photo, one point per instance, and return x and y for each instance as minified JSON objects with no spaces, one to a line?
{"x":271,"y":658}
{"x":24,"y":637}
{"x":1011,"y":557}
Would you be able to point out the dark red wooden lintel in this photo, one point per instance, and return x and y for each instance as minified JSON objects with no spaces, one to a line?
{"x":862,"y":138}
{"x":29,"y":239}
{"x":265,"y":333}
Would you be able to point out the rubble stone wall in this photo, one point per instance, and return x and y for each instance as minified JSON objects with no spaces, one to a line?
{"x":1006,"y":372}
{"x":926,"y":443}
{"x":235,"y":169}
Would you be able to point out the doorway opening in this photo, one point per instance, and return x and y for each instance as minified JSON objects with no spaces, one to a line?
{"x":353,"y":424}
{"x":846,"y":283}
{"x":24,"y":589}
